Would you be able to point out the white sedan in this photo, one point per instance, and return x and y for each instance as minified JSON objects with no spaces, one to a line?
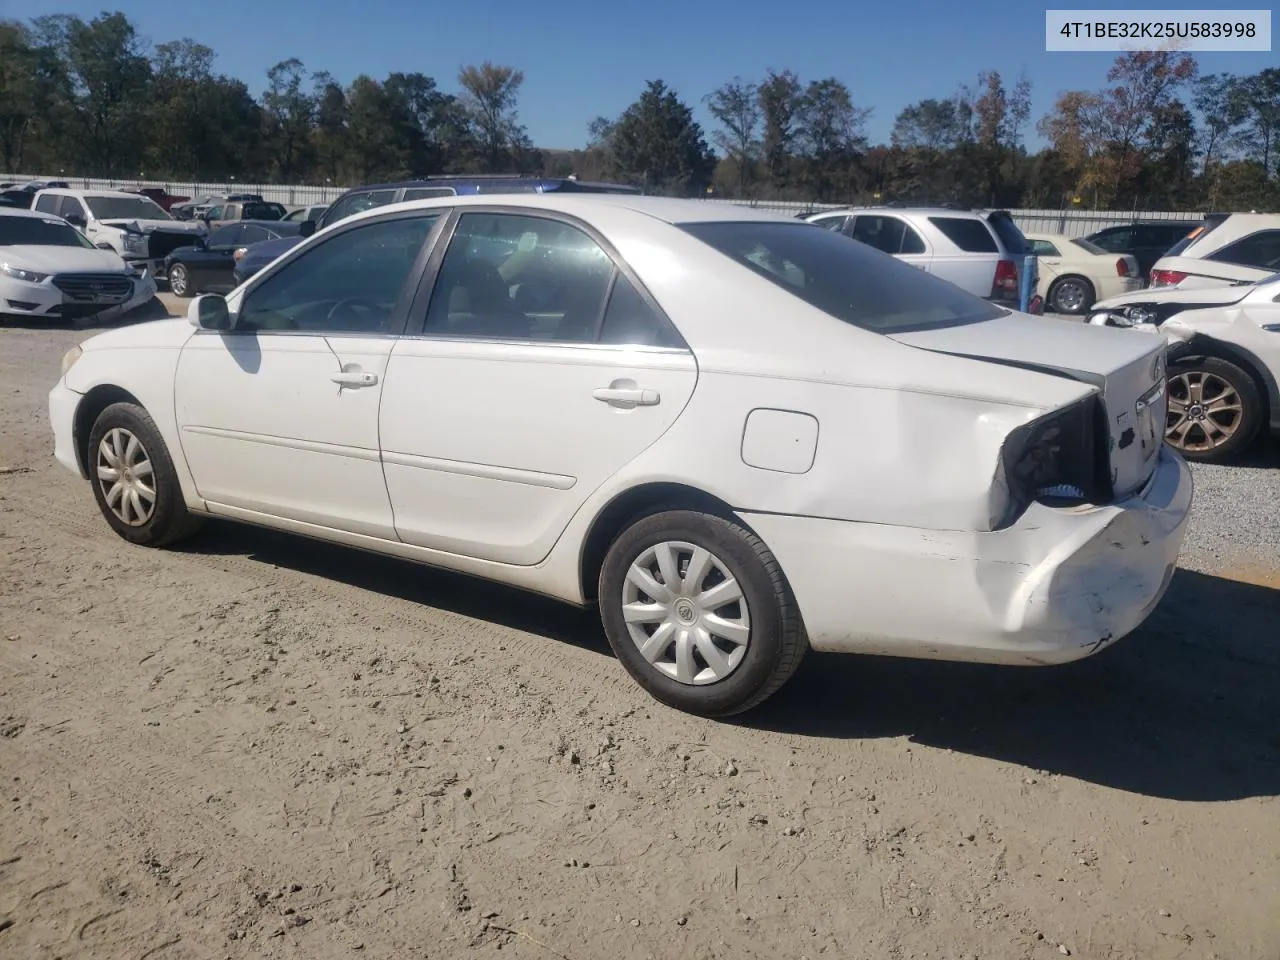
{"x":739,"y":437}
{"x":1074,"y":273}
{"x":50,"y":271}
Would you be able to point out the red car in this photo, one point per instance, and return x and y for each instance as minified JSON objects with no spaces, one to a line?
{"x":163,"y":197}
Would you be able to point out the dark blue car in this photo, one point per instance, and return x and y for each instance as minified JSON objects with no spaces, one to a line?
{"x":364,"y":198}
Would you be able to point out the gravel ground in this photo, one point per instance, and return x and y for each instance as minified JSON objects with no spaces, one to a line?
{"x":260,"y":747}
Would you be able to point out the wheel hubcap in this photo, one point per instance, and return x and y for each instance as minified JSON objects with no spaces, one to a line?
{"x":1070,"y":297}
{"x":1204,"y":411}
{"x":686,"y":613}
{"x":178,"y":281}
{"x":126,"y":477}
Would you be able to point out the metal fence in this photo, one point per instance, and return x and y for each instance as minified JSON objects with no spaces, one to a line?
{"x":1073,"y":223}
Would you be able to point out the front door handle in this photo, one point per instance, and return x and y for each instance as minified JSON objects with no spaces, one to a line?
{"x":627,"y":396}
{"x":355,"y":378}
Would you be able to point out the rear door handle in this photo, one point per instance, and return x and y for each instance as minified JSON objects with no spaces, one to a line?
{"x":627,"y":395}
{"x":355,"y":378}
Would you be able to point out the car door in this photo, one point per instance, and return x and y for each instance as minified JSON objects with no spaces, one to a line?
{"x":538,"y":369}
{"x":1050,"y":262}
{"x":279,"y":415}
{"x":206,"y":266}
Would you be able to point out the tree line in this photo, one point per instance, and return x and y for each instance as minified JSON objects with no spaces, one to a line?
{"x":92,"y":98}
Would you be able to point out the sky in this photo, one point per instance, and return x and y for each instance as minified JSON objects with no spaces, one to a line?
{"x":582,"y":60}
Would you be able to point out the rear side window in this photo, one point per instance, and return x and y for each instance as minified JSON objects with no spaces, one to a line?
{"x":47,"y":203}
{"x":629,"y":320}
{"x":971,"y":236}
{"x":428,"y":193}
{"x":849,"y":281}
{"x":1260,"y":250}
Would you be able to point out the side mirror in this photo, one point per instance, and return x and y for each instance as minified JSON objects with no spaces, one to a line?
{"x":76,"y":220}
{"x":209,"y":312}
{"x":307,"y":229}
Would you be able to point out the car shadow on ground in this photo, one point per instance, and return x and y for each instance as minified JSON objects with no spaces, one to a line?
{"x":1184,"y":709}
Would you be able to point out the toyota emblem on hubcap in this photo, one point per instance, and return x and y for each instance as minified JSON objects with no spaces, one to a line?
{"x":686,"y":612}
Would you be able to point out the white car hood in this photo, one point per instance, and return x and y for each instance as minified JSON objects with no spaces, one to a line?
{"x":55,"y":259}
{"x":148,"y":226}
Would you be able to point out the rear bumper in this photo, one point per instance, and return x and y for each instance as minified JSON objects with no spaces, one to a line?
{"x":1057,"y":586}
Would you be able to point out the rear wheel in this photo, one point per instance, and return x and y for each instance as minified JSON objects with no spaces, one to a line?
{"x":133,"y":478}
{"x":1071,"y":295}
{"x":180,"y":281}
{"x":699,"y":612}
{"x":1215,"y":409}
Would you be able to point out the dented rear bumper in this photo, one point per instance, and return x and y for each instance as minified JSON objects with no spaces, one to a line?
{"x":1057,"y":586}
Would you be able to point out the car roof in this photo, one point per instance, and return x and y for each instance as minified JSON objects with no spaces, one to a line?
{"x":72,"y":192}
{"x":21,"y":212}
{"x":444,"y":180}
{"x":667,"y":209}
{"x":889,"y":209}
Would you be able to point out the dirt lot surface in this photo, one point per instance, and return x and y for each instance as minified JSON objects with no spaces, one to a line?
{"x":259,"y":747}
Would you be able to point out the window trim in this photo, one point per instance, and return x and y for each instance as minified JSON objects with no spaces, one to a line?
{"x":399,"y":314}
{"x":421,"y":301}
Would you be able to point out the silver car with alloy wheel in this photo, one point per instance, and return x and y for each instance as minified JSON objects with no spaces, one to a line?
{"x":1224,"y":361}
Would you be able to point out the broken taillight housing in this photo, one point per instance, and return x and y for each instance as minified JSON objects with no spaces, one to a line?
{"x":1166,"y":278}
{"x":1060,"y":460}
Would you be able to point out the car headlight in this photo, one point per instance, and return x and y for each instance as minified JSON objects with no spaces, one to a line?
{"x":30,"y":276}
{"x":135,"y":241}
{"x":69,"y":358}
{"x":239,"y":254}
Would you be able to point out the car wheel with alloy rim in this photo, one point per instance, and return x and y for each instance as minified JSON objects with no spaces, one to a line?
{"x":1214,"y":409}
{"x":699,"y":612}
{"x":180,"y":281}
{"x":1071,"y":295}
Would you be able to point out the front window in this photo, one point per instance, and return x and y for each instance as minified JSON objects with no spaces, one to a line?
{"x":39,"y":232}
{"x":850,"y":281}
{"x":126,"y":208}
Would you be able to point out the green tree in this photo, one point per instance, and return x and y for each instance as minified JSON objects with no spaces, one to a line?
{"x":736,"y":107}
{"x":289,"y":114}
{"x":490,"y":94}
{"x":781,"y":100}
{"x":657,"y":143}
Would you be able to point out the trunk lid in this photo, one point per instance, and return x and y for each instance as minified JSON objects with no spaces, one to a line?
{"x":1127,"y":369}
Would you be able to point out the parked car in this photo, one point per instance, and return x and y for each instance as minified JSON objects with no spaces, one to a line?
{"x":300,"y":214}
{"x":658,"y":407}
{"x":131,"y":225}
{"x":192,"y":209}
{"x":234,"y":211}
{"x":49,"y":270}
{"x":1074,"y":272}
{"x":207,"y":266}
{"x":1226,"y":248}
{"x":35,"y":186}
{"x":1224,"y":361}
{"x":1145,"y":241}
{"x":163,"y":198}
{"x":367,"y":197}
{"x":980,"y":253}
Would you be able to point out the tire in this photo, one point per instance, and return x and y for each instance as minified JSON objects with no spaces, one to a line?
{"x":745,"y":673}
{"x":1196,"y":429}
{"x":180,"y":284}
{"x":1071,"y":295}
{"x":167,"y":520}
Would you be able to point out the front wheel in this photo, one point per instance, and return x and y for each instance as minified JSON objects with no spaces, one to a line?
{"x":133,"y":478}
{"x":1214,"y":409}
{"x":699,"y":612}
{"x":180,"y":281}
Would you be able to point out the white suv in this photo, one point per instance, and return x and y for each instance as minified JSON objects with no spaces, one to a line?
{"x":134,"y":226}
{"x":981,"y":254}
{"x":1235,"y":248}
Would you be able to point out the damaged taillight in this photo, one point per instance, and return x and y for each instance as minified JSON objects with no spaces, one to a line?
{"x":1059,"y":460}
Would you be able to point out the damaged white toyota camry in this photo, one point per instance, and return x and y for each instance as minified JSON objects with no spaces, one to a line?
{"x":740,"y":436}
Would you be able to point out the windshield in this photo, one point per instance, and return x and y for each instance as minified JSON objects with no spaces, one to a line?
{"x":126,"y":208}
{"x":1093,"y":248}
{"x":847,"y":279}
{"x":40,"y":232}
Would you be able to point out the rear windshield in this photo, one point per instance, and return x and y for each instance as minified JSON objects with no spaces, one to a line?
{"x":1014,"y":242}
{"x":1092,"y":247}
{"x":844,"y":278}
{"x":39,"y":232}
{"x":971,"y":236}
{"x":263,"y":211}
